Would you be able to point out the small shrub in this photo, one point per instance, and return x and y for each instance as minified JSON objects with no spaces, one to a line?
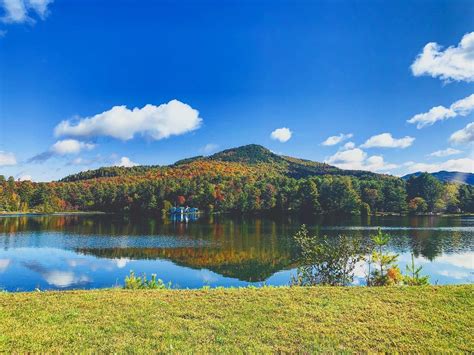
{"x":133,"y":282}
{"x":384,"y":262}
{"x":413,"y":277}
{"x":325,"y":261}
{"x":394,"y":276}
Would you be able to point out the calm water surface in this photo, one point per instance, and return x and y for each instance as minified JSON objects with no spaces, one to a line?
{"x":93,"y":251}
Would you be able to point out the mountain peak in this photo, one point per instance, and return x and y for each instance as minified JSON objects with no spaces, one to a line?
{"x":251,"y":153}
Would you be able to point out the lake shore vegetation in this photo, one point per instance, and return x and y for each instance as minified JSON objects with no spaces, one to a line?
{"x":249,"y":179}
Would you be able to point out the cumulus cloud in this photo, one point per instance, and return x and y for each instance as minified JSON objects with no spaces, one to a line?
{"x":63,"y":279}
{"x":62,"y":147}
{"x":461,"y":260}
{"x":464,"y":165}
{"x":349,"y":145}
{"x":445,"y":152}
{"x":4,"y":263}
{"x":156,"y":122}
{"x":455,"y":63}
{"x":357,"y":159}
{"x":121,"y":263}
{"x":463,"y":136}
{"x":348,"y":156}
{"x":377,"y":163}
{"x":40,"y":6}
{"x":70,"y":146}
{"x":58,"y":278}
{"x":281,"y":134}
{"x":25,"y":177}
{"x":125,"y":162}
{"x":461,"y":107}
{"x":19,"y":11}
{"x":209,"y":148}
{"x":454,"y":274}
{"x":385,"y":140}
{"x":7,"y":158}
{"x":333,"y":140}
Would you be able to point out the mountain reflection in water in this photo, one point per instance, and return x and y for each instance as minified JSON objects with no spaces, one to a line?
{"x":234,"y":250}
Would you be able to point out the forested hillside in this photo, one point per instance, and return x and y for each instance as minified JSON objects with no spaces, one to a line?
{"x":248,"y":179}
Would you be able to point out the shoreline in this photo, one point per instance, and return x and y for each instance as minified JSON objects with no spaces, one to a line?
{"x":379,"y":214}
{"x":2,"y":213}
{"x":120,"y":288}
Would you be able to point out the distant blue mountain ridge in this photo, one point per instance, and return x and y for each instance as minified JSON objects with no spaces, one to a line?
{"x":448,"y":176}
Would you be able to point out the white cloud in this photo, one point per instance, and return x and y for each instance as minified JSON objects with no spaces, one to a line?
{"x":377,"y":163}
{"x":445,"y":153}
{"x":18,"y":11}
{"x":7,"y":158}
{"x":454,"y":274}
{"x":356,"y":159}
{"x":70,"y":146}
{"x":438,"y":113}
{"x":348,"y":156}
{"x":461,"y":107}
{"x":463,"y":136}
{"x":333,"y":140}
{"x":349,"y":145}
{"x":464,"y":106}
{"x":125,"y":162}
{"x":25,"y":178}
{"x":461,"y":260}
{"x":207,"y":276}
{"x":209,"y":148}
{"x":79,"y":161}
{"x":156,"y":122}
{"x":281,"y":134}
{"x":62,"y":279}
{"x":59,"y":278}
{"x":62,"y":147}
{"x":454,"y":63}
{"x":464,"y":165}
{"x":40,"y":6}
{"x":121,"y":262}
{"x":15,"y":11}
{"x":4,"y":263}
{"x":385,"y":140}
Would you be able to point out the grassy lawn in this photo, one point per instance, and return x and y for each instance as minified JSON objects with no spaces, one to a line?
{"x":228,"y":320}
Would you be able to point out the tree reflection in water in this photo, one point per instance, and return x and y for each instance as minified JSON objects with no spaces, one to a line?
{"x":249,"y":249}
{"x":326,"y":261}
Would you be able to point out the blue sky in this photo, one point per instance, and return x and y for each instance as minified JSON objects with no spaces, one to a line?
{"x":219,"y":74}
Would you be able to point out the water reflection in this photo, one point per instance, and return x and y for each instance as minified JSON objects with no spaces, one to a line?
{"x":58,"y":278}
{"x":84,"y":251}
{"x":4,"y":264}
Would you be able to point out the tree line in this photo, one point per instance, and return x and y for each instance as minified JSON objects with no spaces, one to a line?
{"x":242,"y":189}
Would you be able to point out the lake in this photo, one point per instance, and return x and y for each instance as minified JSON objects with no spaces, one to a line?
{"x":96,"y":251}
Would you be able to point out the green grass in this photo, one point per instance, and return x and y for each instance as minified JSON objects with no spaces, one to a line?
{"x":229,"y":320}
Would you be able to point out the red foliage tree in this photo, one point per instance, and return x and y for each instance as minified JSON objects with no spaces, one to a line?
{"x":181,"y":200}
